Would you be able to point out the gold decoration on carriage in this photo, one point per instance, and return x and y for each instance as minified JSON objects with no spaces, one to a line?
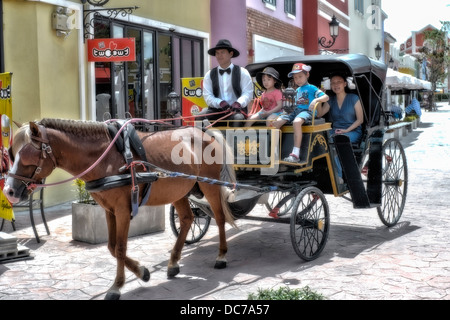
{"x":248,"y":147}
{"x":318,"y":138}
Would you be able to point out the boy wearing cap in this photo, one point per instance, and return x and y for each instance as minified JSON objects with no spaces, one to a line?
{"x":306,"y":98}
{"x":271,"y":98}
{"x":228,"y":86}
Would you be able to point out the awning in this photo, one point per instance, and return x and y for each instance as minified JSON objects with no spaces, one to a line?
{"x":102,"y":75}
{"x":397,"y":81}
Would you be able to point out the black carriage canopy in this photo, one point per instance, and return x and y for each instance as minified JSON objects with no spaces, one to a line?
{"x":369,"y":76}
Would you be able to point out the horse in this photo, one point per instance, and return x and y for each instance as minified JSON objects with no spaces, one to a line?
{"x":74,"y":145}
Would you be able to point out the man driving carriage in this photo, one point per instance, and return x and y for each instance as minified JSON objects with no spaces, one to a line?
{"x":227,"y":87}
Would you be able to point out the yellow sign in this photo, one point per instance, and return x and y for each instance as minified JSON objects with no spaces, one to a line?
{"x":192,"y":97}
{"x":6,"y":211}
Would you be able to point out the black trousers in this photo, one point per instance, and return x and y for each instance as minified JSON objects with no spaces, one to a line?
{"x":213,"y":117}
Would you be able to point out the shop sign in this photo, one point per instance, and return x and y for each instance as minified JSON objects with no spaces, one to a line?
{"x":111,"y":50}
{"x":192,"y":98}
{"x":6,"y":211}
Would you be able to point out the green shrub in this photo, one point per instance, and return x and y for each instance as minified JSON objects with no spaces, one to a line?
{"x":285,"y":293}
{"x":411,"y":118}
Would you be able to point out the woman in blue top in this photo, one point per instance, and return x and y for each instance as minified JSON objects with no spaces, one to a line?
{"x":346,"y":114}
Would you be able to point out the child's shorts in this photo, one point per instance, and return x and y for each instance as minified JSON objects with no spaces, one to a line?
{"x":263,"y":118}
{"x":298,"y":113}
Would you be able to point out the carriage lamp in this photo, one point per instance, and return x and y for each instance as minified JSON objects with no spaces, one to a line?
{"x":334,"y":32}
{"x":289,"y":95}
{"x":173,"y":106}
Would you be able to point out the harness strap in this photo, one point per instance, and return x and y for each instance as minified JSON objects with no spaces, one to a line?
{"x":130,"y":139}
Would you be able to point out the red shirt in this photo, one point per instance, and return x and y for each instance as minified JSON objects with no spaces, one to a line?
{"x":269,"y":99}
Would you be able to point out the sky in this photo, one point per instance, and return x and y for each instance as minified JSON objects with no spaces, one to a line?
{"x":405,"y":16}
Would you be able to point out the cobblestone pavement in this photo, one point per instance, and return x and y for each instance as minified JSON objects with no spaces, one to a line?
{"x":362,"y":260}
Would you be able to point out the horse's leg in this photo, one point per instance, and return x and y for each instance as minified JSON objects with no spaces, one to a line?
{"x":186,"y":217}
{"x":117,"y":246}
{"x":212,"y":194}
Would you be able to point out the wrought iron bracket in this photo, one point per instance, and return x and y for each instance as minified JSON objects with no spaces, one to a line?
{"x":95,"y":2}
{"x":108,"y":13}
{"x":323,"y":42}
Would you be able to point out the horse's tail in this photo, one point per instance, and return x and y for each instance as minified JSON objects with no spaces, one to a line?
{"x":226,"y":174}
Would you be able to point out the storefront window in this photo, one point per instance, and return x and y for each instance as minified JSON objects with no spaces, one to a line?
{"x":139,"y":89}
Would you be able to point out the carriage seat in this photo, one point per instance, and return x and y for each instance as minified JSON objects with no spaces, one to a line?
{"x":262,"y":123}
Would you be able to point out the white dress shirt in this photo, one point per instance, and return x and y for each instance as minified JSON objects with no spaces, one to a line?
{"x":226,"y":89}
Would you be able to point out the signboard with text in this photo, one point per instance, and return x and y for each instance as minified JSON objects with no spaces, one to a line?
{"x":6,"y":211}
{"x":192,"y":97}
{"x":111,"y":50}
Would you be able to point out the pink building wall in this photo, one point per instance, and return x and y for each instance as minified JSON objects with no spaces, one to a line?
{"x":229,"y":21}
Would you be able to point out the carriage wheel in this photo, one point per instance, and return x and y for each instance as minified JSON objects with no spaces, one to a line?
{"x":275,"y":197}
{"x":310,"y":223}
{"x":394,"y":182}
{"x":198,"y":227}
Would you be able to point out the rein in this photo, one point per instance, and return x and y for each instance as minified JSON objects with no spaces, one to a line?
{"x":46,"y":149}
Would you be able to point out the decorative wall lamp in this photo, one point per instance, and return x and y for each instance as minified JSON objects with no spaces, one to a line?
{"x":391,"y":63}
{"x":378,"y":51}
{"x":334,"y":32}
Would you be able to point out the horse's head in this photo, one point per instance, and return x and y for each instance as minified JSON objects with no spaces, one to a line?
{"x":32,"y":159}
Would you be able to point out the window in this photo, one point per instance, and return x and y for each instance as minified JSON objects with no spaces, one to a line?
{"x":289,"y":7}
{"x":359,"y":6}
{"x":271,"y":2}
{"x":140,"y":88}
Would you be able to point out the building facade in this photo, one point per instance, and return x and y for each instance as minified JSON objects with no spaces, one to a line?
{"x":45,"y":45}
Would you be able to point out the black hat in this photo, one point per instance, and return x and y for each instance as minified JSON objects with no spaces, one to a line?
{"x":269,"y":71}
{"x":223,"y":44}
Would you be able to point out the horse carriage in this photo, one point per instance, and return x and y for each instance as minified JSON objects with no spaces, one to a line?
{"x":374,"y":170}
{"x":168,"y":167}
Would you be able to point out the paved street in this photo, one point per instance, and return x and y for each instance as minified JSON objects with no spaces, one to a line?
{"x":362,"y":260}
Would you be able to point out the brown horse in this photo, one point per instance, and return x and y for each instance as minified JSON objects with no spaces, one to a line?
{"x":40,"y":147}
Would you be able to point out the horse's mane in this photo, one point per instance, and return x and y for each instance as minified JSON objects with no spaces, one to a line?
{"x":79,"y":128}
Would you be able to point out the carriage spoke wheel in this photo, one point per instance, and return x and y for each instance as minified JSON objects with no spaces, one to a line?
{"x":310,"y":223}
{"x":394,"y":182}
{"x":198,"y":227}
{"x":275,"y":197}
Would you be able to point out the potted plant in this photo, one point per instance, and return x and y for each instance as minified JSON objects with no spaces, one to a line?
{"x":89,"y":221}
{"x":83,"y":196}
{"x":88,"y":218}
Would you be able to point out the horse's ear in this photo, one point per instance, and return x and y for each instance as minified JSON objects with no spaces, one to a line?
{"x":17,"y":124}
{"x":34,"y":129}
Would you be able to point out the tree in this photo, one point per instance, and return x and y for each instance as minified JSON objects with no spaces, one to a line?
{"x":436,"y":53}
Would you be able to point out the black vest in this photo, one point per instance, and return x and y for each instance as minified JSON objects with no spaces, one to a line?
{"x":235,"y":81}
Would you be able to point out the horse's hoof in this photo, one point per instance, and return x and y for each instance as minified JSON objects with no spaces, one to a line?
{"x":146,"y":275}
{"x":172,"y":272}
{"x":220,"y":264}
{"x":112,"y":296}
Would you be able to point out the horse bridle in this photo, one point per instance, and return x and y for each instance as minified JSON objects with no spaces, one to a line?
{"x":46,"y":152}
